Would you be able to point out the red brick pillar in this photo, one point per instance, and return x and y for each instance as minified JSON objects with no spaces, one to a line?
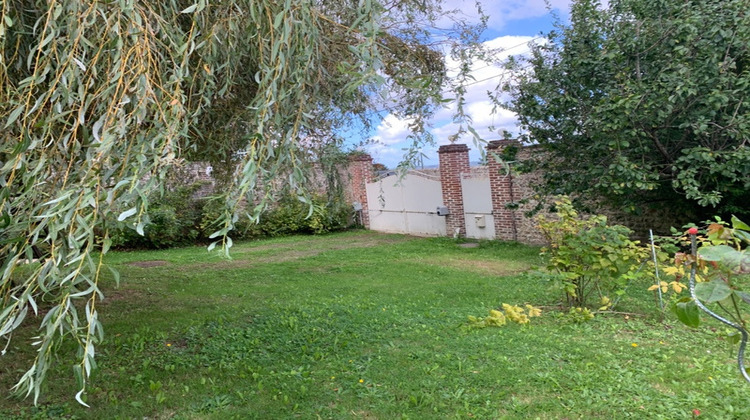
{"x":360,"y":173}
{"x":501,"y":188}
{"x":454,"y":161}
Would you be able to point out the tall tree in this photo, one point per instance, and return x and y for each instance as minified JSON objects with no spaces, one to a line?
{"x":100,"y":98}
{"x":643,"y":102}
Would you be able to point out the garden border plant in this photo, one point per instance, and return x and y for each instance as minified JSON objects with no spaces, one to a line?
{"x":724,"y":266}
{"x":590,"y":259}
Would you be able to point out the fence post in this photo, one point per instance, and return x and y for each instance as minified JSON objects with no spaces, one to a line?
{"x":501,"y":187}
{"x":454,"y":161}
{"x":360,"y":174}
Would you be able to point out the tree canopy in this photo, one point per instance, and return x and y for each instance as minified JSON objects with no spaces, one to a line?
{"x":100,"y":98}
{"x":642,"y":102}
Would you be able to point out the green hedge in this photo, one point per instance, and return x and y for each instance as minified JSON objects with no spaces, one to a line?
{"x":178,"y":218}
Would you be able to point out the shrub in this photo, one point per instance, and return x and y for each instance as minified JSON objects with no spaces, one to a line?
{"x":590,"y":259}
{"x":173,"y":220}
{"x":244,"y":226}
{"x":292,"y":215}
{"x":721,"y":270}
{"x":718,"y":272}
{"x":178,"y":218}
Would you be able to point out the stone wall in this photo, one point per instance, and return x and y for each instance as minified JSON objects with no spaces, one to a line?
{"x":353,"y":176}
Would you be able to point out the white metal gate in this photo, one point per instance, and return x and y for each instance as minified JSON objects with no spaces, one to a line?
{"x":477,"y":198}
{"x":406,"y":205}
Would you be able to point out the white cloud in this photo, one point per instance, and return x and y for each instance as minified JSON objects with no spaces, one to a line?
{"x":392,"y":130}
{"x":387,"y":155}
{"x":390,"y":135}
{"x":501,"y":12}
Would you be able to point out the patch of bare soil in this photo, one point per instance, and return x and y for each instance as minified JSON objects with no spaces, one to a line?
{"x":148,"y":264}
{"x":289,"y":252}
{"x":492,"y":268}
{"x":248,"y":261}
{"x":119,"y":294}
{"x":340,"y":243}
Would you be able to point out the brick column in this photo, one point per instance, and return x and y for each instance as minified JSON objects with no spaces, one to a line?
{"x":360,"y":173}
{"x":454,"y":161}
{"x":501,"y":188}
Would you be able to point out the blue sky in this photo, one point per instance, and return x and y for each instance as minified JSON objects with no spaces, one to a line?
{"x":512,"y":25}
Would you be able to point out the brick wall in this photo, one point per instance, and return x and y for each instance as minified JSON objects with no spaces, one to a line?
{"x":517,"y":189}
{"x":353,"y":177}
{"x":502,"y":188}
{"x":359,"y":175}
{"x":454,"y":161}
{"x":513,"y":193}
{"x":526,"y":200}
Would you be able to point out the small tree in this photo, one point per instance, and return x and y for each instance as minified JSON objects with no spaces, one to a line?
{"x":592,"y":261}
{"x":642,"y":103}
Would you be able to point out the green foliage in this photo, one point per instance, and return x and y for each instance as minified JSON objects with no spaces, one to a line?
{"x":211,"y":216}
{"x":687,"y":312}
{"x":722,"y":270}
{"x":292,"y":324}
{"x":578,"y":314}
{"x":498,"y":318}
{"x":642,"y":103}
{"x":179,"y":218}
{"x":292,"y":215}
{"x":591,"y":261}
{"x":99,"y":100}
{"x":723,"y":262}
{"x":173,"y":220}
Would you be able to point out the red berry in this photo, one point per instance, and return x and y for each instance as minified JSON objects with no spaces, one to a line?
{"x":692,"y":231}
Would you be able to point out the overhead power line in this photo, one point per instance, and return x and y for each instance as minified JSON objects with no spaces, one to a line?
{"x":526,"y":43}
{"x":477,"y":69}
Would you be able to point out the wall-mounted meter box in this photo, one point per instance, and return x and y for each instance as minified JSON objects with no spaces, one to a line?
{"x":443,"y":211}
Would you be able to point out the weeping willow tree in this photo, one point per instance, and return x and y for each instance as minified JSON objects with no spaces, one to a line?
{"x":100,"y":99}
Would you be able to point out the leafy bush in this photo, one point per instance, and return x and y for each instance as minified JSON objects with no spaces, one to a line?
{"x":244,"y":226}
{"x":718,"y":273}
{"x":169,"y":227}
{"x":721,"y":273}
{"x":173,"y":220}
{"x":293,"y":215}
{"x":590,"y":259}
{"x":579,"y":315}
{"x":178,"y":218}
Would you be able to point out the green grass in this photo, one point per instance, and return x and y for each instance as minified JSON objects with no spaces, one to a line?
{"x":369,"y":326}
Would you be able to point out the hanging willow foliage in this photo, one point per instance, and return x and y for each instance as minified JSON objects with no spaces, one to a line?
{"x":100,"y":98}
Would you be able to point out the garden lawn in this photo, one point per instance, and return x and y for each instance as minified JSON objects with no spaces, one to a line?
{"x":363,"y":325}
